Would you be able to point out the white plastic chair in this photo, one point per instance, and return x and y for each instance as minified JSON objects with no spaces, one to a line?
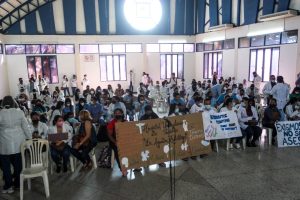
{"x":38,"y":163}
{"x":92,"y":154}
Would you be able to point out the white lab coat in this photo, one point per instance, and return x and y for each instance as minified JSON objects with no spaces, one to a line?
{"x":42,"y":129}
{"x":65,"y":83}
{"x":13,"y":131}
{"x":195,"y":108}
{"x":74,"y":82}
{"x":280,"y":92}
{"x":257,"y":81}
{"x":84,"y":83}
{"x":243,"y":117}
{"x":267,"y":89}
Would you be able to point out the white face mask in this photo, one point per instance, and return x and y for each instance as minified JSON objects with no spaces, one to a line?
{"x":243,"y":104}
{"x":207,"y":107}
{"x":296,"y":107}
{"x":82,"y":104}
{"x":230,"y":94}
{"x":177,"y":110}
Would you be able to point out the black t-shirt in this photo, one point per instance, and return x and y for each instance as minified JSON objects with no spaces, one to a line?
{"x":153,"y":115}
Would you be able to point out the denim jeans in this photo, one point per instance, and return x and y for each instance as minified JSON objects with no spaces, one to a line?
{"x":282,"y":115}
{"x":63,"y":154}
{"x":74,"y":90}
{"x":9,"y":178}
{"x":66,"y":89}
{"x":82,"y":153}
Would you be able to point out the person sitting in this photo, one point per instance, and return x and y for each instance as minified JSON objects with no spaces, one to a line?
{"x":68,"y":107}
{"x":116,"y":103}
{"x":248,"y":120}
{"x":178,"y":102}
{"x":110,"y":90}
{"x":141,"y":89}
{"x":81,"y":105}
{"x":39,"y":108}
{"x":60,"y":149}
{"x":84,"y":142}
{"x":111,"y":132}
{"x":36,"y":127}
{"x":252,"y":91}
{"x":119,"y":91}
{"x":139,"y":106}
{"x":292,"y":110}
{"x":271,"y":115}
{"x":198,"y":105}
{"x":149,"y":114}
{"x":128,"y":101}
{"x":57,"y":111}
{"x":96,"y":110}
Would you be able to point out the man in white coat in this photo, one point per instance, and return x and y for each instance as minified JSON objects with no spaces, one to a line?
{"x":267,"y":88}
{"x":85,"y":82}
{"x":280,"y":92}
{"x":256,"y":80}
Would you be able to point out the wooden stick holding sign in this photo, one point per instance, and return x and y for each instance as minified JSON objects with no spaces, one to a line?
{"x":147,"y":142}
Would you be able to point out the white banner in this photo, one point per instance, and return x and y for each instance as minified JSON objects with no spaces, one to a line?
{"x":288,"y":133}
{"x":221,"y":125}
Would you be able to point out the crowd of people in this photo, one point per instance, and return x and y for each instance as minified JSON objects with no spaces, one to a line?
{"x":37,"y":112}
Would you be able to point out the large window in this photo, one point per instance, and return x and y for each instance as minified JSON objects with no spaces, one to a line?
{"x":212,"y":63}
{"x":171,"y":63}
{"x":45,"y":66}
{"x":113,"y":68}
{"x":265,"y":62}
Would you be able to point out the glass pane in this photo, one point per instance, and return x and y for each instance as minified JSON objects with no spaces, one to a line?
{"x":119,"y":48}
{"x":215,"y":62}
{"x":103,"y":73}
{"x":33,"y":49}
{"x":258,"y":41}
{"x":275,"y":61}
{"x":218,"y":45}
{"x":38,"y":66}
{"x":105,"y":48}
{"x":116,"y":68}
{"x":48,"y":48}
{"x":169,"y":66}
{"x":123,"y":72}
{"x":208,"y":46}
{"x":220,"y":64}
{"x":210,"y":60}
{"x":180,"y":66}
{"x":133,"y":48}
{"x":1,"y":49}
{"x":273,"y":39}
{"x":152,"y":48}
{"x":199,"y":47}
{"x":244,"y":42}
{"x":53,"y":68}
{"x":14,"y":49}
{"x":177,"y":48}
{"x":289,"y":37}
{"x":162,"y":66}
{"x":30,"y":66}
{"x":205,"y":75}
{"x":189,"y":47}
{"x":259,"y":66}
{"x":65,"y":48}
{"x":267,"y":65}
{"x":174,"y":64}
{"x":88,"y":48}
{"x":229,"y":44}
{"x":165,"y":48}
{"x":109,"y":68}
{"x":46,"y":69}
{"x":252,"y":64}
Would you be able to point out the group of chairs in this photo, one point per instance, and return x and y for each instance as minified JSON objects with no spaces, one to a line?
{"x":35,"y":162}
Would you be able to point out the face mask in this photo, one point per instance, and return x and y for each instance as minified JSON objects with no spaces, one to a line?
{"x":68,"y":104}
{"x":230,"y":94}
{"x":60,"y":124}
{"x":142,"y":102}
{"x":176,"y":110}
{"x":225,"y":88}
{"x":273,"y":81}
{"x":233,"y":104}
{"x":113,"y":102}
{"x":119,"y":117}
{"x":207,"y":107}
{"x":296,"y":107}
{"x":82,"y":104}
{"x":243,"y":104}
{"x":35,"y":121}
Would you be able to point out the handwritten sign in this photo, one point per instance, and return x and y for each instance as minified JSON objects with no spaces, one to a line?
{"x":288,"y":133}
{"x":155,"y":141}
{"x":221,"y":125}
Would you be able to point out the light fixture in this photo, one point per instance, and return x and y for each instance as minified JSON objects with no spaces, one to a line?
{"x":265,"y":31}
{"x":212,"y":39}
{"x":143,"y":15}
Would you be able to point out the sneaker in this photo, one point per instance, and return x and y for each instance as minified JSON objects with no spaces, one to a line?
{"x":231,"y":146}
{"x":237,"y":145}
{"x":8,"y":191}
{"x":162,"y":165}
{"x":137,"y":170}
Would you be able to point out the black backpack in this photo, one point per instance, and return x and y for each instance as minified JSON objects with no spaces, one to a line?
{"x":102,"y":133}
{"x":104,"y":160}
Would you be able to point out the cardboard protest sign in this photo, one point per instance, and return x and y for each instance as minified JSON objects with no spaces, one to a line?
{"x":221,"y":125}
{"x":288,"y":133}
{"x":158,"y":140}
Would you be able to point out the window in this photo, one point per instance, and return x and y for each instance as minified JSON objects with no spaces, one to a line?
{"x":105,"y":48}
{"x":113,"y":68}
{"x":165,"y":48}
{"x":12,"y":49}
{"x":33,"y":49}
{"x":212,"y":63}
{"x":218,"y":45}
{"x":171,"y":63}
{"x":229,"y":44}
{"x":265,"y":62}
{"x":118,"y":48}
{"x":244,"y":42}
{"x":133,"y":48}
{"x":257,"y":41}
{"x":152,"y":48}
{"x":88,"y":48}
{"x":177,"y":48}
{"x":208,"y":46}
{"x":199,"y":47}
{"x":44,"y":66}
{"x":189,"y":47}
{"x":48,"y":48}
{"x":65,"y":49}
{"x":289,"y":37}
{"x":273,"y":39}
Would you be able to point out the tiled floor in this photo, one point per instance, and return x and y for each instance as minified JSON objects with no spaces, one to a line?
{"x":255,"y":173}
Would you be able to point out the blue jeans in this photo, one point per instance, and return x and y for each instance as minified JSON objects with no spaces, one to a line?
{"x":66,"y":89}
{"x":6,"y":162}
{"x":74,"y":90}
{"x":282,"y":115}
{"x":58,"y":154}
{"x":82,"y":153}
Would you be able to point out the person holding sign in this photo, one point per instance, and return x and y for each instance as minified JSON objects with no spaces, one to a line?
{"x":60,"y":149}
{"x":248,"y":120}
{"x":111,"y":132}
{"x":228,"y":106}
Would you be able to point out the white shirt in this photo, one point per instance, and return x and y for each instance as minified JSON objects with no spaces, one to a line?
{"x":225,"y":109}
{"x":144,"y":79}
{"x":267,"y":89}
{"x":13,"y":131}
{"x":85,"y":82}
{"x":257,"y":81}
{"x":66,"y":129}
{"x":65,"y":83}
{"x":243,"y":117}
{"x":280,"y":92}
{"x":54,"y":113}
{"x":41,"y":128}
{"x":291,"y":112}
{"x":73,"y":82}
{"x":195,"y":108}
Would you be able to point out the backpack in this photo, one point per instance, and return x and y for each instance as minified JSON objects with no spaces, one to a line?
{"x":104,"y":160}
{"x":102,"y":133}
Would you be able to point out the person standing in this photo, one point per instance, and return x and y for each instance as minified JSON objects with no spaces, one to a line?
{"x":13,"y":132}
{"x":74,"y":84}
{"x":21,"y":85}
{"x":280,"y":92}
{"x":32,"y":83}
{"x":42,"y":83}
{"x":173,"y":80}
{"x":256,"y":80}
{"x":65,"y":86}
{"x":267,"y":88}
{"x":85,"y":82}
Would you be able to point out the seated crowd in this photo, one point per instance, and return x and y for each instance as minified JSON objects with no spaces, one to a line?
{"x":78,"y":115}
